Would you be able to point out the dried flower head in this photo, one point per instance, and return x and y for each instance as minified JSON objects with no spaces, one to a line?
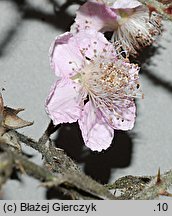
{"x":129,"y":20}
{"x":94,"y":87}
{"x":10,"y":121}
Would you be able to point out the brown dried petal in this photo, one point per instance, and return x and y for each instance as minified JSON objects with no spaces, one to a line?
{"x":12,"y":121}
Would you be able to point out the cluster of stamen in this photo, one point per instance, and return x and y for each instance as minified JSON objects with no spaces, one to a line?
{"x":111,"y":83}
{"x":106,"y":83}
{"x":138,"y":30}
{"x":113,"y":78}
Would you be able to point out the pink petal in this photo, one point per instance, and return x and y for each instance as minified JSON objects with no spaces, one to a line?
{"x":124,"y":4}
{"x":94,"y":15}
{"x":123,"y":117}
{"x":93,"y":43}
{"x":64,"y":102}
{"x":97,"y":134}
{"x":65,"y":55}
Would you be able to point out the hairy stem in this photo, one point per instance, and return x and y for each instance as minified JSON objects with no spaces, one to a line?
{"x":59,"y":162}
{"x":156,"y":188}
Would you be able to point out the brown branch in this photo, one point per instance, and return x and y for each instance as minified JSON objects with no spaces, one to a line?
{"x":75,"y":184}
{"x":71,"y":181}
{"x":59,"y":162}
{"x":55,"y":157}
{"x":79,"y":186}
{"x":128,"y":186}
{"x":46,"y":135}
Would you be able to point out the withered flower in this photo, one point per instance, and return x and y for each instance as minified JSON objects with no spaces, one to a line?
{"x":10,"y":121}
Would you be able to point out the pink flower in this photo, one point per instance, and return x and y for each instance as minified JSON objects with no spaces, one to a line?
{"x":128,"y":20}
{"x":94,"y":87}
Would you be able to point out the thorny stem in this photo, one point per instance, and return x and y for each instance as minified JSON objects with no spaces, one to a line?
{"x":64,"y":175}
{"x":50,"y":130}
{"x":22,"y":163}
{"x":155,"y":188}
{"x":58,"y":162}
{"x":57,"y":158}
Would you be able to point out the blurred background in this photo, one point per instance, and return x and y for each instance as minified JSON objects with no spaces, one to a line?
{"x":27,"y":28}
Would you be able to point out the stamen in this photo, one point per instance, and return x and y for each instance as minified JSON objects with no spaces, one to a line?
{"x":136,"y":30}
{"x":106,"y":82}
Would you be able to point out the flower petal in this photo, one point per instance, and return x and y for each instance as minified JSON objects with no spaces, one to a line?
{"x":65,"y":55}
{"x":97,"y":134}
{"x":122,"y":4}
{"x":94,"y":15}
{"x":68,"y":52}
{"x":123,"y":117}
{"x":93,"y":44}
{"x":64,"y":102}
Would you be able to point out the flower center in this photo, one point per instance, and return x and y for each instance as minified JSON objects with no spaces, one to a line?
{"x":113,"y":78}
{"x":106,"y":82}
